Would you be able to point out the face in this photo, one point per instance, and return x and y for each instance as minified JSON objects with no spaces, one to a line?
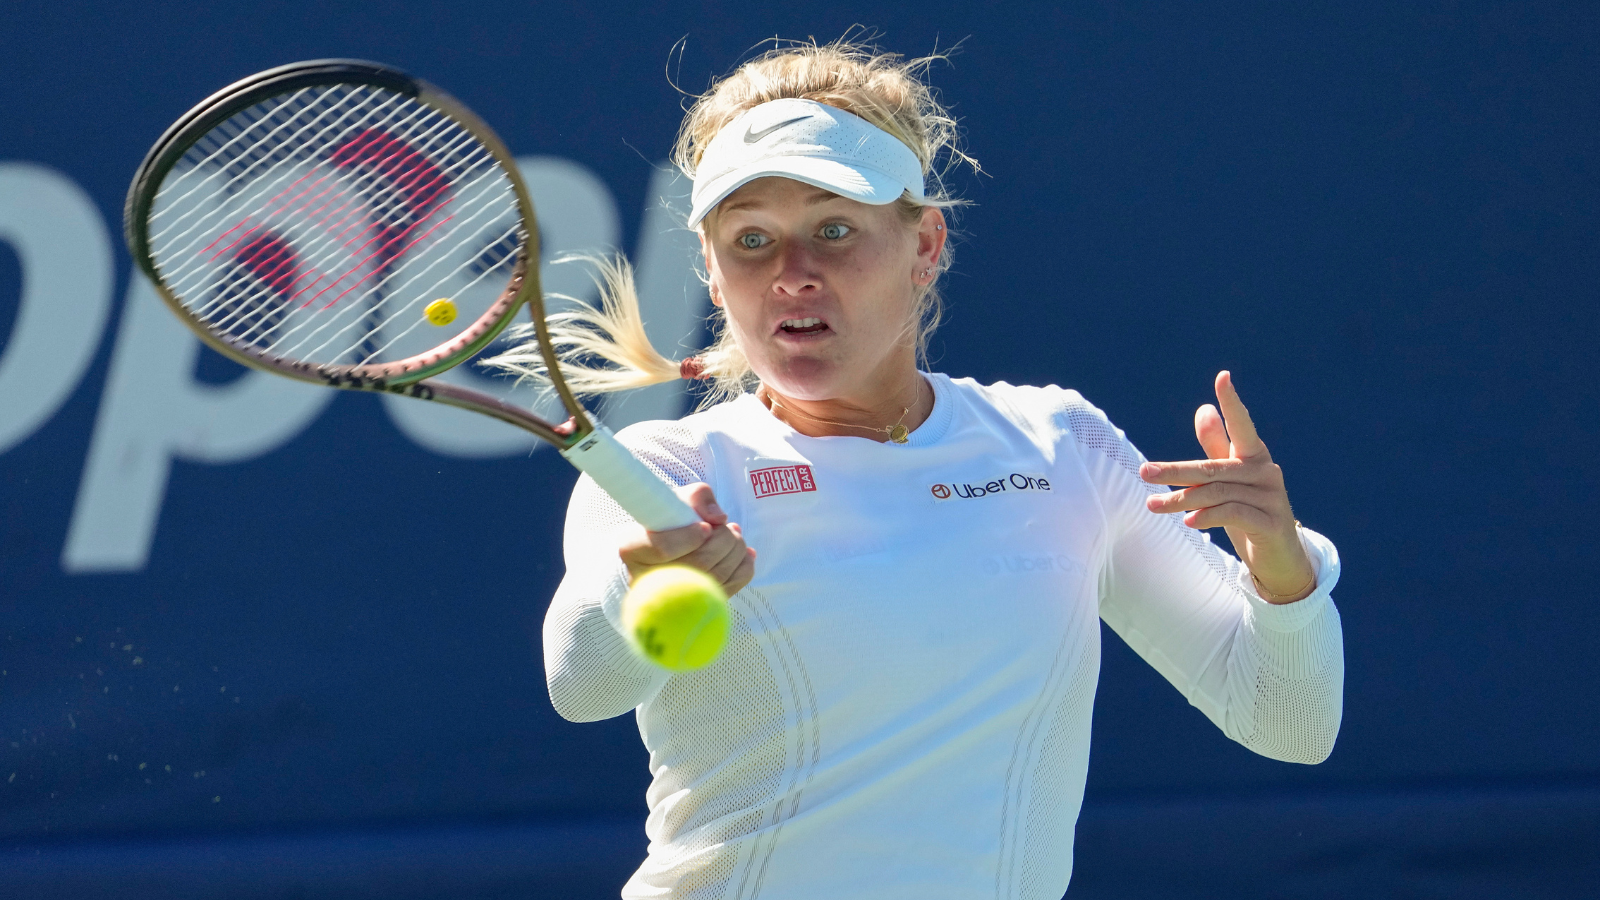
{"x":820,"y":290}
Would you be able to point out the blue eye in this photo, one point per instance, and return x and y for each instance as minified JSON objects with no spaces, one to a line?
{"x":752,"y":241}
{"x":834,"y":231}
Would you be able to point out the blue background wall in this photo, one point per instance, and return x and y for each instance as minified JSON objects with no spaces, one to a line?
{"x":1382,"y":218}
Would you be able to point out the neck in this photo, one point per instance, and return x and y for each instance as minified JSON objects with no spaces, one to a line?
{"x":869,"y":417}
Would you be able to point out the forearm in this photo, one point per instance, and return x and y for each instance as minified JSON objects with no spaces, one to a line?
{"x":1279,"y":687}
{"x":591,"y":671}
{"x":1269,"y":675}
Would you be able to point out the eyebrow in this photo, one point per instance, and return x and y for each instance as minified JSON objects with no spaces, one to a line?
{"x":818,"y":195}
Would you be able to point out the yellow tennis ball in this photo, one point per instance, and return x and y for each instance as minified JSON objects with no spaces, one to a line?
{"x":676,"y":617}
{"x":440,"y":312}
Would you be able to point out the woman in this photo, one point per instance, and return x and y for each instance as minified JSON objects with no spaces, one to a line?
{"x":903,"y":707}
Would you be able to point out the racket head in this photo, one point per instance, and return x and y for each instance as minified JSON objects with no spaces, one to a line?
{"x":311,"y":220}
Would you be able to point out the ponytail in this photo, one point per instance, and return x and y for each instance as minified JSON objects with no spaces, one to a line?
{"x":605,"y":349}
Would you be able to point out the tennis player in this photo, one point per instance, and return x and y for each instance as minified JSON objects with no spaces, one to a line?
{"x":903,"y":706}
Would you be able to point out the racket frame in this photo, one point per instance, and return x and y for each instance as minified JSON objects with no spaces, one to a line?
{"x":406,"y":376}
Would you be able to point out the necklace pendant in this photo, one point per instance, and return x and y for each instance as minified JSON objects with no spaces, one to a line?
{"x":899,"y":434}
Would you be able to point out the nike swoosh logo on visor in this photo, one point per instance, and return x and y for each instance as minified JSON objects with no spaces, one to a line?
{"x":751,"y":136}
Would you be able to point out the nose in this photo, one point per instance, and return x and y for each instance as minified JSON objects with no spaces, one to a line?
{"x":797,"y":269}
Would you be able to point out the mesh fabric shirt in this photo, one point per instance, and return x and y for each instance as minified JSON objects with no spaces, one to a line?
{"x":903,"y":706}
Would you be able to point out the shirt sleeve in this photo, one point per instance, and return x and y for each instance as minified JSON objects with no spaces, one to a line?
{"x":591,"y":671}
{"x":1270,"y":676}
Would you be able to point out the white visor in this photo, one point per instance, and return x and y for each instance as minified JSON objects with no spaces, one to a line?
{"x":810,"y":142}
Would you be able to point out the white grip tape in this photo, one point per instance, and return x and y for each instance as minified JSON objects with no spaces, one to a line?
{"x":652,"y":502}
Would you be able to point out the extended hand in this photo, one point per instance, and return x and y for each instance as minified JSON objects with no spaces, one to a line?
{"x":1240,"y":489}
{"x":715,"y":545}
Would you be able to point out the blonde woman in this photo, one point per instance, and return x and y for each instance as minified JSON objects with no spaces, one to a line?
{"x":903,"y":707}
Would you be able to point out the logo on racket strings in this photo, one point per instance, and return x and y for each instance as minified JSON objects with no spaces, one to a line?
{"x":776,"y":480}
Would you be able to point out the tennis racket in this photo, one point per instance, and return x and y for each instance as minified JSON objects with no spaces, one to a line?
{"x":342,"y":223}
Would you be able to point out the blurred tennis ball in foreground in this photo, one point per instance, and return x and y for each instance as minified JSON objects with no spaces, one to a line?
{"x":676,"y":617}
{"x":440,"y":312}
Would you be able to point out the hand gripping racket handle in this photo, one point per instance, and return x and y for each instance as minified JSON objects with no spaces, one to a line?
{"x":640,"y":493}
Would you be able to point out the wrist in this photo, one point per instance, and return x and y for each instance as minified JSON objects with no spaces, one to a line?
{"x":1271,"y":596}
{"x":1292,"y":581}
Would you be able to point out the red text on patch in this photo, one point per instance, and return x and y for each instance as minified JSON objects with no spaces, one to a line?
{"x":782,"y":480}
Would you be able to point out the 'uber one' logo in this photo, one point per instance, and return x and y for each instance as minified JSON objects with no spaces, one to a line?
{"x":1015,"y":483}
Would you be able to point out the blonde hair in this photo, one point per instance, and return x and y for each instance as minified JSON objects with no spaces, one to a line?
{"x":883,"y":88}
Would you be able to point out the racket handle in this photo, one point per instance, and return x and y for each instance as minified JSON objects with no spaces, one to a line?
{"x":652,"y":502}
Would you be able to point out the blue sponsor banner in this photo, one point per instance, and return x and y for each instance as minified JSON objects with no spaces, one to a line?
{"x":235,"y":607}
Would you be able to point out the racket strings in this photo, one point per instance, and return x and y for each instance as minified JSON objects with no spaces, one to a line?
{"x":314,"y":225}
{"x":191,"y":265}
{"x":382,"y":288}
{"x":340,"y":239}
{"x":227,"y":153}
{"x":225,"y":143}
{"x":203,"y":169}
{"x":417,"y":320}
{"x":444,"y":274}
{"x":378,"y":244}
{"x":352,"y":311}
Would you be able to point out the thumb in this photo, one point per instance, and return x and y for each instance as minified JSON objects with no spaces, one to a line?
{"x":1212,"y":434}
{"x":703,"y":502}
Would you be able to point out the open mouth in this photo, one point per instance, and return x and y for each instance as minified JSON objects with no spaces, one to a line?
{"x":811,"y":325}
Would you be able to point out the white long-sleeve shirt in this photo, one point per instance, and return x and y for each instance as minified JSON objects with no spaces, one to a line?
{"x":903,"y":706}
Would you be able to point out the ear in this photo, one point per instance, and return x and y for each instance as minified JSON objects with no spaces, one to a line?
{"x":931,"y":235}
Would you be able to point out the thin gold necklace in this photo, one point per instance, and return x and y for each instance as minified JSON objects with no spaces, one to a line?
{"x":897,"y":432}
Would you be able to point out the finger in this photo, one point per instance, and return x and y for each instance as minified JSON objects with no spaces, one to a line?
{"x":654,"y":548}
{"x":1242,"y":516}
{"x":724,"y":568}
{"x":1206,"y":495}
{"x":706,"y":556}
{"x":743,"y":575}
{"x":1246,"y":443}
{"x":1209,"y":430}
{"x":703,"y":502}
{"x":1196,"y":471}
